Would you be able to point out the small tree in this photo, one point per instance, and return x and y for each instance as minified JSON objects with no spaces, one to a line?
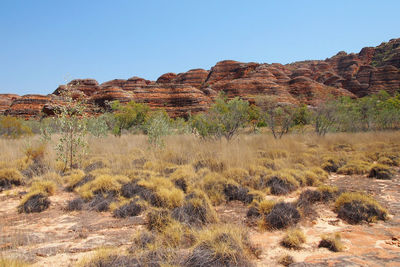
{"x":224,"y":118}
{"x":254,"y":117}
{"x":72,"y":143}
{"x":203,"y":126}
{"x":325,"y":117}
{"x":388,"y":111}
{"x":278,"y":116}
{"x":129,"y":115}
{"x":157,"y":126}
{"x":98,"y":126}
{"x":13,"y":127}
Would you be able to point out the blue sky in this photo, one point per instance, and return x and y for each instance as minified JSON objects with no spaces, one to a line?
{"x":45,"y":43}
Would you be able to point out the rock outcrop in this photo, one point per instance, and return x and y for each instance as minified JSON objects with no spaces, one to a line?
{"x":27,"y":105}
{"x":310,"y":82}
{"x":6,"y":101}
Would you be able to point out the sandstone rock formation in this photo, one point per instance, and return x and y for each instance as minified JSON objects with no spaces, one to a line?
{"x":310,"y":82}
{"x":6,"y":101}
{"x":27,"y":105}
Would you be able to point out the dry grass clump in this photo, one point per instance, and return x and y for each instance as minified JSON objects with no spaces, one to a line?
{"x":8,"y":262}
{"x":260,"y":208}
{"x":133,"y":208}
{"x":35,"y":201}
{"x":213,"y":185}
{"x":274,"y":215}
{"x":160,"y":167}
{"x":286,"y":260}
{"x":35,"y":160}
{"x":143,"y":239}
{"x":324,"y":193}
{"x":196,"y":210}
{"x":321,"y":173}
{"x":357,"y":207}
{"x":158,"y":219}
{"x":354,"y":167}
{"x":220,"y":189}
{"x":281,"y":183}
{"x":274,"y":154}
{"x":282,"y":215}
{"x":175,"y":234}
{"x":331,"y":242}
{"x":381,"y":171}
{"x":346,"y":147}
{"x":95,"y":163}
{"x":387,"y":161}
{"x":175,"y":157}
{"x":294,"y":238}
{"x":328,"y":193}
{"x":46,"y":186}
{"x":212,"y":163}
{"x":220,"y":246}
{"x":234,"y":191}
{"x":9,"y":177}
{"x":75,"y":179}
{"x":391,"y":158}
{"x":75,"y":204}
{"x":103,"y":184}
{"x":171,"y":233}
{"x":52,"y":176}
{"x":312,"y":179}
{"x":183,"y":177}
{"x":309,"y":197}
{"x":101,"y":202}
{"x":238,"y":175}
{"x":108,"y":257}
{"x":101,"y":171}
{"x":36,"y":152}
{"x":332,"y":163}
{"x":163,"y":193}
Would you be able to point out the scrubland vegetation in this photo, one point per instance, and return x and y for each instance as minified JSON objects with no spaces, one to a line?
{"x":174,"y":173}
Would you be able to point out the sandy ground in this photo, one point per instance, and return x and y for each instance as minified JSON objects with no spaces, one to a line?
{"x":59,"y":238}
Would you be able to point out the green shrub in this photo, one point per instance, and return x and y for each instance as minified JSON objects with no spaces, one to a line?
{"x":13,"y":127}
{"x":130,"y":115}
{"x":157,"y":126}
{"x":223,"y":119}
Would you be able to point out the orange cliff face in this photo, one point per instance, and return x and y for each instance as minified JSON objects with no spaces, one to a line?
{"x":309,"y":82}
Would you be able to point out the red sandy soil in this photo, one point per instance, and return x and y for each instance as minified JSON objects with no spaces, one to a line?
{"x":56,"y":237}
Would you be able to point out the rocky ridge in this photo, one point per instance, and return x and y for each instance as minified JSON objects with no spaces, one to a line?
{"x":310,"y":82}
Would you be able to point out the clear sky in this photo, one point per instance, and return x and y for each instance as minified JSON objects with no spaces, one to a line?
{"x":44,"y":43}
